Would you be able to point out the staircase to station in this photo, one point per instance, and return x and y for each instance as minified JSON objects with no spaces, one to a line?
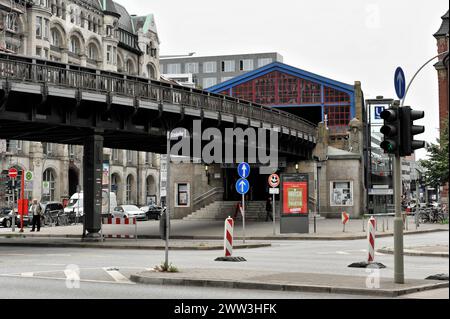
{"x":219,"y":210}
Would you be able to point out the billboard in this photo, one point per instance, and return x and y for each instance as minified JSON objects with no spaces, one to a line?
{"x":294,"y":194}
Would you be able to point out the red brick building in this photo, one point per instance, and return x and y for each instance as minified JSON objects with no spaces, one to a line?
{"x":442,"y":67}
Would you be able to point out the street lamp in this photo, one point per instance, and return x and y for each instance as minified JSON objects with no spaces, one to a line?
{"x":207,"y":172}
{"x":296,"y":167}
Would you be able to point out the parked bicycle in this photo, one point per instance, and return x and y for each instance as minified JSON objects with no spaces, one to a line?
{"x":431,"y":215}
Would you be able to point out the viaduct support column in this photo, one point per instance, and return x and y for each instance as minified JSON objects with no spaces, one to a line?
{"x":92,"y":180}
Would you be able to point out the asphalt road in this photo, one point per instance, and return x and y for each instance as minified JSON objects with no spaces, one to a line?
{"x":42,"y":272}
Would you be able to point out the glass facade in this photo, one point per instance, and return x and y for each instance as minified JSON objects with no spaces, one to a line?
{"x":285,"y":90}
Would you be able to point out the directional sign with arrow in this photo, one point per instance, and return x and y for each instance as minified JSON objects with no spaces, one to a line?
{"x":244,"y":170}
{"x":400,"y":83}
{"x":242,"y":186}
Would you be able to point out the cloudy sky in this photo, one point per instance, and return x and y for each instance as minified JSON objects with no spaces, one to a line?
{"x":347,"y":40}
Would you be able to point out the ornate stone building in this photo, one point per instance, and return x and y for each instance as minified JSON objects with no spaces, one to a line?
{"x":98,"y":34}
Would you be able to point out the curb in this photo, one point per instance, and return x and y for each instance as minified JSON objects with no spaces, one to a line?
{"x":414,"y":253}
{"x":285,"y":287}
{"x":162,"y":247}
{"x":181,"y":237}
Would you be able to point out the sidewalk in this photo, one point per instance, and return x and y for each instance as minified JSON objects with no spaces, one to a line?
{"x":426,"y":251}
{"x":326,"y":229}
{"x":292,"y":281}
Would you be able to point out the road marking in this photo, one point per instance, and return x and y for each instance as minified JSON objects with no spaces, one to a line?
{"x":342,"y":253}
{"x":81,"y":280}
{"x":116,"y":275}
{"x":50,"y":264}
{"x":27,"y":274}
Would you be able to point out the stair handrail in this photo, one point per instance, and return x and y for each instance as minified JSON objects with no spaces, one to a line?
{"x":208,"y":194}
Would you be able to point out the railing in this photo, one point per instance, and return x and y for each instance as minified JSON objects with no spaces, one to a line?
{"x":207,"y":198}
{"x":92,"y":80}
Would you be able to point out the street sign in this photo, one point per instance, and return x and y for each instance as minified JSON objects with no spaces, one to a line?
{"x":274,"y":180}
{"x":12,"y":173}
{"x":244,"y":170}
{"x":274,"y":191}
{"x":400,"y":83}
{"x":345,"y":218}
{"x":28,"y":176}
{"x":242,"y":186}
{"x":46,"y":188}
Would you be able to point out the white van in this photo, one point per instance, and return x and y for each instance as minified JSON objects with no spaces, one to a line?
{"x":76,"y":203}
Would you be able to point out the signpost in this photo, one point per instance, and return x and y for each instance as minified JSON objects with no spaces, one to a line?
{"x":242,"y":187}
{"x":274,"y":182}
{"x":345,"y":217}
{"x":400,"y":83}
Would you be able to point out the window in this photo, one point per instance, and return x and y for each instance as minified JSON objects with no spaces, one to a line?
{"x":38,"y":51}
{"x":109,"y":54}
{"x":38,"y":27}
{"x":209,"y":67}
{"x":46,"y":53}
{"x":55,"y":38}
{"x":48,"y":185}
{"x":226,"y":78}
{"x":182,"y":196}
{"x":71,"y":151}
{"x":74,"y":45}
{"x":46,"y":28}
{"x":128,"y":197}
{"x":264,"y":61}
{"x":228,"y":66}
{"x":92,"y":52}
{"x":341,"y":193}
{"x":13,"y":146}
{"x":208,"y":82}
{"x":47,"y":148}
{"x":115,"y":155}
{"x":174,"y":68}
{"x":337,"y":115}
{"x":191,"y":67}
{"x":130,"y":156}
{"x":11,"y":24}
{"x":246,"y":65}
{"x":148,"y":158}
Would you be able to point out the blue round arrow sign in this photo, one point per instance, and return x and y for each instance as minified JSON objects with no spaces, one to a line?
{"x":400,"y":83}
{"x":242,"y":186}
{"x":244,"y":170}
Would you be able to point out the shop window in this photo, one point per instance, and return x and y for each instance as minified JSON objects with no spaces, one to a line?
{"x":341,"y":193}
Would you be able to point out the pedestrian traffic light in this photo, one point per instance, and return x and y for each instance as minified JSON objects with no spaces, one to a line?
{"x":391,"y":131}
{"x":408,"y":130}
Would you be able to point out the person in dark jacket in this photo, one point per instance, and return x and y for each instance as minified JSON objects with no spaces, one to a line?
{"x":269,"y":209}
{"x":36,"y":210}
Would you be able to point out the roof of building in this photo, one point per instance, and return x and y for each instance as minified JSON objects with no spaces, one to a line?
{"x":108,"y":6}
{"x":125,"y":21}
{"x":443,"y":30}
{"x":93,"y":3}
{"x":278,"y":66}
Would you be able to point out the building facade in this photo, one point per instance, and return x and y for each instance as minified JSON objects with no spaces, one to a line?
{"x":211,"y":70}
{"x":97,"y":34}
{"x":442,"y":68}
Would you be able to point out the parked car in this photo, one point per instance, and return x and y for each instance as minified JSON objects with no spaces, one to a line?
{"x":129,"y":211}
{"x":75,"y":207}
{"x":6,"y":218}
{"x":152,"y":211}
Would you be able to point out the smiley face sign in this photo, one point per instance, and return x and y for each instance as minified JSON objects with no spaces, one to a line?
{"x":274,"y":180}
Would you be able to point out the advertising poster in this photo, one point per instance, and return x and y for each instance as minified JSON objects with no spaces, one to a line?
{"x":295,"y":197}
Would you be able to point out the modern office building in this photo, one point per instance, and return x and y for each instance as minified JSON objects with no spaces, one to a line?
{"x":208,"y":71}
{"x":98,"y":34}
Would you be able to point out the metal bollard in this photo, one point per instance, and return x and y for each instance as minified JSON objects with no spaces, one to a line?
{"x":383,"y":225}
{"x":363,"y":223}
{"x":387,"y":224}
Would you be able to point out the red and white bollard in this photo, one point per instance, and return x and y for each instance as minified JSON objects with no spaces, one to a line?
{"x":228,"y":240}
{"x":371,"y":238}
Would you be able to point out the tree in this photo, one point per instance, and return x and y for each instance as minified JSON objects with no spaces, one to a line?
{"x":436,"y":165}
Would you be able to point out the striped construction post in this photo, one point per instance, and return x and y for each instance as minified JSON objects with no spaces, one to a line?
{"x":371,"y":238}
{"x":228,"y":240}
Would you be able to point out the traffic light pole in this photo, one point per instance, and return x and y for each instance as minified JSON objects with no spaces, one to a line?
{"x":399,"y":276}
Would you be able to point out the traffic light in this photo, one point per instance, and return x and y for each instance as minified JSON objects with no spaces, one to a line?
{"x":408,"y":130}
{"x":391,"y":131}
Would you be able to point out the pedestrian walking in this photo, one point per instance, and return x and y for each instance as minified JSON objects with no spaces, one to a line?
{"x":36,"y":210}
{"x":269,"y":209}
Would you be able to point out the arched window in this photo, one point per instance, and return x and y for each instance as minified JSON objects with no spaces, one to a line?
{"x":48,"y":185}
{"x":128,"y":196}
{"x":92,"y":52}
{"x":151,"y":71}
{"x":56,"y":38}
{"x":74,"y":45}
{"x":115,"y":180}
{"x":130,"y":67}
{"x":150,"y":188}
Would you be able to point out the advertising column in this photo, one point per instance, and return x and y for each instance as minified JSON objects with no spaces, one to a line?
{"x":294,"y":204}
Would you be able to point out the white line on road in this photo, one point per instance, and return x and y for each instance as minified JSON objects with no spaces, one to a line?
{"x":27,"y":274}
{"x":116,"y":275}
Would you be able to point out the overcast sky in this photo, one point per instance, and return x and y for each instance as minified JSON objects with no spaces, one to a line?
{"x":347,"y":40}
